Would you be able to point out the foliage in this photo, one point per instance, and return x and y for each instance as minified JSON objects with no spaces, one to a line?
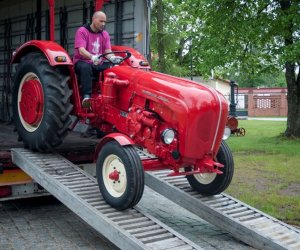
{"x":276,"y":79}
{"x":173,"y":37}
{"x":245,"y":37}
{"x":257,"y":39}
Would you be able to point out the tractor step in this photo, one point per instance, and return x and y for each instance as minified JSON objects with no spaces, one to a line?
{"x":241,"y":220}
{"x":129,"y":229}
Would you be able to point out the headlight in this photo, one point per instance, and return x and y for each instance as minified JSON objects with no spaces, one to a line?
{"x":227,"y":133}
{"x":168,"y":136}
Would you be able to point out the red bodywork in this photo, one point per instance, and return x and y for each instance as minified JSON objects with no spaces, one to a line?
{"x":141,"y":104}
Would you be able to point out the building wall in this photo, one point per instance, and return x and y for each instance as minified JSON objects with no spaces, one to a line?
{"x":264,"y":102}
{"x":222,"y":86}
{"x":270,"y":105}
{"x":127,"y":23}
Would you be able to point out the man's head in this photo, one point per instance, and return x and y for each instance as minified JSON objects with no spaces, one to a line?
{"x":98,"y":21}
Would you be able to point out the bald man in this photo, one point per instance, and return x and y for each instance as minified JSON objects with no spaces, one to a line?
{"x":91,"y":40}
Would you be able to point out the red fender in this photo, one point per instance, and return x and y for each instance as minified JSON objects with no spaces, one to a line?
{"x":55,"y":54}
{"x":122,"y":139}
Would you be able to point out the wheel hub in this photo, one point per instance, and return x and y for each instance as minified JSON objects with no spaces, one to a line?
{"x":114,"y":175}
{"x":32,"y":102}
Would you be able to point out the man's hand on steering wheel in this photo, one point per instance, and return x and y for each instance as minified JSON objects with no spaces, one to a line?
{"x":95,"y":59}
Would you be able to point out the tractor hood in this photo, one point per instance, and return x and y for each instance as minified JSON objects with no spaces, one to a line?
{"x":199,"y":112}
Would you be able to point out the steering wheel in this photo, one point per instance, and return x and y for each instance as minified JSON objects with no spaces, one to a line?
{"x":120,"y":58}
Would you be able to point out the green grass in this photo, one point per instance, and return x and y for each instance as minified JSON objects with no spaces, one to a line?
{"x":267,"y":169}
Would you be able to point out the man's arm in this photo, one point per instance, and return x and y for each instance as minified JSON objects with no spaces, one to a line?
{"x":87,"y":55}
{"x":108,"y":51}
{"x":84,"y":53}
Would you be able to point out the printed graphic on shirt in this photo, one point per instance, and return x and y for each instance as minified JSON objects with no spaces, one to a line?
{"x":96,"y":46}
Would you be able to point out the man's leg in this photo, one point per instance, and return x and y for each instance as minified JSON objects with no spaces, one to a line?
{"x":85,"y":72}
{"x":99,"y":68}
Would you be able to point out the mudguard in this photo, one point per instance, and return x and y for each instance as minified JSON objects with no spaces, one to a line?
{"x":122,"y":139}
{"x":55,"y":54}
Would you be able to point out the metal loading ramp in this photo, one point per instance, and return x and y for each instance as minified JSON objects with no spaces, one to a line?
{"x":242,"y":221}
{"x":130,"y":229}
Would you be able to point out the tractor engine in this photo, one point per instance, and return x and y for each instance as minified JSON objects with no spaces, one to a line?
{"x":148,"y":131}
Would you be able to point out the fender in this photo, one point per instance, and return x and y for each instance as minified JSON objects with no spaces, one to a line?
{"x":122,"y":139}
{"x":50,"y":49}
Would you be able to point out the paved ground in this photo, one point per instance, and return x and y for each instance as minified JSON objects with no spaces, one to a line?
{"x":45,"y":223}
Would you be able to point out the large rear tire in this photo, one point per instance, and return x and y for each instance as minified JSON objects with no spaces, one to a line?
{"x":212,"y":183}
{"x":120,"y":175}
{"x":41,"y":103}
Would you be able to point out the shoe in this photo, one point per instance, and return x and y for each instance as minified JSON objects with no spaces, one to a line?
{"x":86,"y":102}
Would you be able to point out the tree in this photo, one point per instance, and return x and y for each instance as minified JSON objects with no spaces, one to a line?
{"x":263,"y":80}
{"x":160,"y":36}
{"x":249,"y":37}
{"x":168,"y":39}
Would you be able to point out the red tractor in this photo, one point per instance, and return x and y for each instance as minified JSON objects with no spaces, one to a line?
{"x":232,"y":124}
{"x":178,"y":122}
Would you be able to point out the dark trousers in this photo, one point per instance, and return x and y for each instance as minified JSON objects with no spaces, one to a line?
{"x":86,"y":72}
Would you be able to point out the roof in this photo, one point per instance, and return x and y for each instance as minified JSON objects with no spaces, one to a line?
{"x":276,"y":90}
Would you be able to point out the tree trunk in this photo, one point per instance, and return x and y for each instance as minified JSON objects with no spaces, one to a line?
{"x":180,"y":50}
{"x":160,"y":37}
{"x":293,"y":97}
{"x":293,"y":81}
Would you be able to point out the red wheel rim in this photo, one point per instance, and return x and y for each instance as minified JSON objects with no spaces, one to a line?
{"x":31,"y":102}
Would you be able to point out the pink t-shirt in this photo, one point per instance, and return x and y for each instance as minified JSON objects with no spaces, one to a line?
{"x":95,"y":43}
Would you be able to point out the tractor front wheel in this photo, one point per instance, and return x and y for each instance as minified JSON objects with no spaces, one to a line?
{"x":120,"y":175}
{"x":41,"y":103}
{"x":212,"y":183}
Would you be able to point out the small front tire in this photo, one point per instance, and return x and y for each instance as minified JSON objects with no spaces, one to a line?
{"x":120,"y":175}
{"x":212,"y":183}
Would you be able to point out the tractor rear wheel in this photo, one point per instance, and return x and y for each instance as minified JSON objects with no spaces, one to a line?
{"x":212,"y":183}
{"x":120,"y":175}
{"x":41,"y":103}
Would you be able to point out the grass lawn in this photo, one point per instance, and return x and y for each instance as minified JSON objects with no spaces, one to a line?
{"x":267,"y":169}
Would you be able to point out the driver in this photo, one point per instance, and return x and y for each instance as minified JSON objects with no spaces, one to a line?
{"x":91,"y":40}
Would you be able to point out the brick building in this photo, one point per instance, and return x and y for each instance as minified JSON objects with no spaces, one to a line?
{"x":263,"y":101}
